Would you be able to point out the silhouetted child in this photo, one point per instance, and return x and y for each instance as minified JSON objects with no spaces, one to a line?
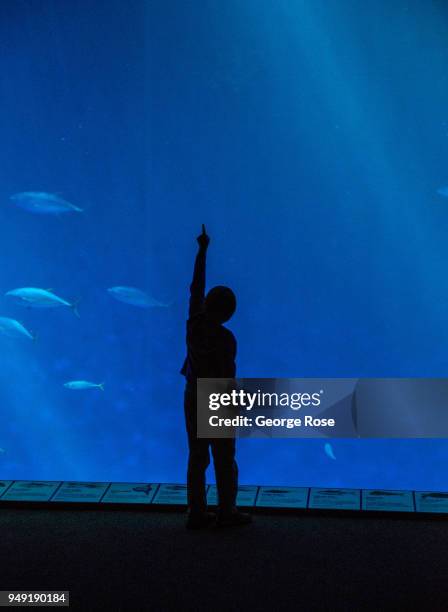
{"x":211,"y":351}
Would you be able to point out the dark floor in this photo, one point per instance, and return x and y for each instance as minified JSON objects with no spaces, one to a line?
{"x":124,"y":560}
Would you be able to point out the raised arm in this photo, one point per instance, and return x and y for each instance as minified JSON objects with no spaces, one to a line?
{"x":197,"y":287}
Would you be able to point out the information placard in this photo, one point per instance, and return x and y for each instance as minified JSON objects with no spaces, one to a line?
{"x":389,"y":501}
{"x":171,"y":494}
{"x":282,"y":497}
{"x":30,"y":490}
{"x":431,"y":501}
{"x":4,"y":484}
{"x":245,"y":497}
{"x":130,"y":493}
{"x":71,"y":491}
{"x":335,"y":499}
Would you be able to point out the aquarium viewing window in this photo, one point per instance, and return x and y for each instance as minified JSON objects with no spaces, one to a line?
{"x":310,"y":138}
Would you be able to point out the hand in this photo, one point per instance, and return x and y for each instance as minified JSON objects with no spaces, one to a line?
{"x":203,"y":239}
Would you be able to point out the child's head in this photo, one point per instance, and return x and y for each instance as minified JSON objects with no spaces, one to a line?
{"x":220,"y":303}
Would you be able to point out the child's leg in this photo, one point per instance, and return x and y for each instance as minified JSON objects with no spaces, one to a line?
{"x":226,"y":471}
{"x":198,"y":457}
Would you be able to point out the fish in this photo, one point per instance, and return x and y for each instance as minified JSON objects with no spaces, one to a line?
{"x":384,"y":493}
{"x":277,"y":491}
{"x":443,"y":191}
{"x":87,"y":485}
{"x":36,"y":484}
{"x":80,"y":385}
{"x":435,"y":495}
{"x":145,"y":489}
{"x":329,"y":451}
{"x":14,"y":329}
{"x":330,"y":492}
{"x":33,"y":297}
{"x":136,"y":297}
{"x":41,"y":202}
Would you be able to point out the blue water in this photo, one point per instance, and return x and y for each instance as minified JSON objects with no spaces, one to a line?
{"x":310,"y":136}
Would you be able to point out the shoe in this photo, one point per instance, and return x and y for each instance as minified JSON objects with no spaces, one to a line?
{"x":199,"y":521}
{"x":233,"y":519}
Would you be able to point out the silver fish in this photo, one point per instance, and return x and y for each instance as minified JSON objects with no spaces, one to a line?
{"x":329,"y":451}
{"x":33,"y":297}
{"x":80,"y":385}
{"x":41,"y":202}
{"x":136,"y":297}
{"x":14,"y":329}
